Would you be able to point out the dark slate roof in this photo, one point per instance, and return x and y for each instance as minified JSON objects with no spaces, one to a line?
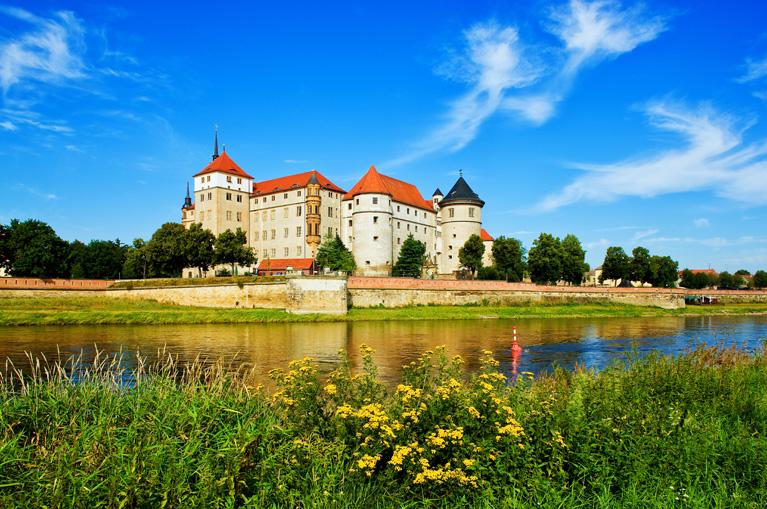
{"x":437,"y":192}
{"x":461,"y":192}
{"x":313,"y":179}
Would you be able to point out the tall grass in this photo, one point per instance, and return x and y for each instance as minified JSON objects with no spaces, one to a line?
{"x":653,"y":432}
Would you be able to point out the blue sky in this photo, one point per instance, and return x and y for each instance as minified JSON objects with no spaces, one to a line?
{"x":624,"y":123}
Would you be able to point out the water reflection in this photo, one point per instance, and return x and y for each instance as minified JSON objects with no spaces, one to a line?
{"x":546,"y":342}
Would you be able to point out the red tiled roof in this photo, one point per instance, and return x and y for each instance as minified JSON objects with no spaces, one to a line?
{"x":224,"y":164}
{"x":293,"y":181}
{"x":485,"y":236}
{"x":284,"y":263}
{"x":700,"y":271}
{"x":375,"y":183}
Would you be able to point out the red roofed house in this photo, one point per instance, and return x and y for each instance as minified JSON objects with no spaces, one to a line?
{"x":487,"y":240}
{"x":284,"y":266}
{"x":287,"y":218}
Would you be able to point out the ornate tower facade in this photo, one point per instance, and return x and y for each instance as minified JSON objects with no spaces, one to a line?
{"x":460,"y":216}
{"x":313,"y":218}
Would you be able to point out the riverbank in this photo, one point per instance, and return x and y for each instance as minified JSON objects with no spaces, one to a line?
{"x":101,"y":311}
{"x":659,"y":432}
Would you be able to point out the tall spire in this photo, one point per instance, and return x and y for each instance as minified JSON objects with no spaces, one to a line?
{"x":215,"y":145}
{"x":188,"y":199}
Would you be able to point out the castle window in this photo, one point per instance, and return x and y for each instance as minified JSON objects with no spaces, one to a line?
{"x":375,"y":200}
{"x":330,"y":211}
{"x":449,"y":257}
{"x":471,"y":211}
{"x":239,"y":181}
{"x":416,"y":228}
{"x":273,"y":197}
{"x":451,"y":212}
{"x":408,"y":227}
{"x":450,"y":248}
{"x":286,"y":232}
{"x":274,"y":234}
{"x":350,"y":222}
{"x":407,"y":210}
{"x":239,"y":216}
{"x":266,"y":254}
{"x":398,"y":225}
{"x":228,"y":178}
{"x":239,"y":198}
{"x":287,"y":252}
{"x":202,"y":215}
{"x":357,"y":202}
{"x":202,"y":196}
{"x":285,"y":196}
{"x":399,"y":240}
{"x":349,"y":206}
{"x":299,"y":193}
{"x":210,"y":196}
{"x":375,"y":219}
{"x":285,"y":212}
{"x":298,"y":211}
{"x":229,"y":196}
{"x":298,"y":250}
{"x":271,"y":214}
{"x":454,"y":235}
{"x":264,"y":200}
{"x":367,"y":262}
{"x":274,"y":252}
{"x":255,"y":236}
{"x":263,"y":215}
{"x":330,"y":231}
{"x":350,"y":240}
{"x":208,"y":178}
{"x":228,"y":215}
{"x":265,"y":236}
{"x":397,"y":208}
{"x":298,"y":231}
{"x":375,"y":238}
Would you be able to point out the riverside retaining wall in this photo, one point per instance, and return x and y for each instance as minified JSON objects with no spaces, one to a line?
{"x":253,"y":295}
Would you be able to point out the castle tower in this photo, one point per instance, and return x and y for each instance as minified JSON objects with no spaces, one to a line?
{"x":187,"y":210}
{"x":370,"y":201}
{"x":460,"y":216}
{"x":436,"y":197}
{"x":313,"y":204}
{"x":221,"y":194}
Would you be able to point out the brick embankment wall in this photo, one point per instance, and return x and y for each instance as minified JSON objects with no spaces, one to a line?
{"x":24,"y":283}
{"x":258,"y":295}
{"x":400,"y":292}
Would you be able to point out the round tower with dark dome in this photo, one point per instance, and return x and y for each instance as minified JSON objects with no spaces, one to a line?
{"x":460,"y":213}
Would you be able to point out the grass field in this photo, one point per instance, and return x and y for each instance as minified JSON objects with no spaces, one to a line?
{"x":657,"y":432}
{"x":99,"y":310}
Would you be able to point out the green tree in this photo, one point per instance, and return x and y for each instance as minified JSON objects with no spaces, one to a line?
{"x":760,"y":279}
{"x":165,"y":251}
{"x":509,"y":258}
{"x":726,"y":280}
{"x":470,"y":254}
{"x":333,"y":255}
{"x":135,"y":265}
{"x":31,"y":248}
{"x":544,"y":261}
{"x":664,"y":272}
{"x":573,"y":260}
{"x":616,"y":265}
{"x":742,"y":272}
{"x":231,"y":247}
{"x":640,"y":267}
{"x":76,"y":259}
{"x":104,"y":259}
{"x":199,"y":247}
{"x":411,"y":257}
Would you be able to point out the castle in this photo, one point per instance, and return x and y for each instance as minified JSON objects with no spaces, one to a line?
{"x":285,"y":219}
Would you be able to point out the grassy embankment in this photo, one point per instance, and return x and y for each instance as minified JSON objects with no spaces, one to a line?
{"x":99,"y":310}
{"x":661,"y":432}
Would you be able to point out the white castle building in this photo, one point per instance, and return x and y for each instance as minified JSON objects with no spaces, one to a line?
{"x":286,"y":218}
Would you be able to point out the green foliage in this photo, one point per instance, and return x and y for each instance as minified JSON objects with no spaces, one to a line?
{"x":654,"y":432}
{"x":726,"y":280}
{"x":544,"y":261}
{"x":411,"y":258}
{"x":135,"y":266}
{"x":99,"y":259}
{"x":231,"y":247}
{"x":198,"y":247}
{"x":697,"y":280}
{"x":574,"y":265}
{"x":640,"y":266}
{"x":31,"y":248}
{"x":617,"y":265}
{"x":664,"y":272}
{"x":165,"y":251}
{"x":742,"y":272}
{"x":490,"y":273}
{"x":760,"y":279}
{"x":470,"y":254}
{"x":333,"y":254}
{"x":508,"y":259}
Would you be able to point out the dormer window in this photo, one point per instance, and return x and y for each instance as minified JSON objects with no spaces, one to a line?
{"x":229,"y":178}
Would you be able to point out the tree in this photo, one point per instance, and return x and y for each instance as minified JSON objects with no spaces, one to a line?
{"x":726,"y":280}
{"x":199,"y":247}
{"x":411,"y":257}
{"x":663,"y":272}
{"x":509,"y":258}
{"x":742,"y":272}
{"x":616,"y":265}
{"x":135,"y":265}
{"x":573,"y":260}
{"x":165,"y":251}
{"x":470,"y":254}
{"x":76,"y":259}
{"x":230,"y":247}
{"x":760,"y":279}
{"x":31,"y":248}
{"x":333,"y":255}
{"x":544,"y":261}
{"x":104,"y":259}
{"x":640,"y":268}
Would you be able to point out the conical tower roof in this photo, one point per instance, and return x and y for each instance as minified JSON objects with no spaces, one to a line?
{"x":461,"y":192}
{"x":437,"y":192}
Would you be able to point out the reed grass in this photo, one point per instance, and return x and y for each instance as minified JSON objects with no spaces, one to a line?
{"x":687,"y":431}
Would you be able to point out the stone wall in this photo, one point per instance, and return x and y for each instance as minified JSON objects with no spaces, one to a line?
{"x":31,"y":283}
{"x":399,"y":292}
{"x":317,"y":295}
{"x":254,"y":295}
{"x":732,"y":296}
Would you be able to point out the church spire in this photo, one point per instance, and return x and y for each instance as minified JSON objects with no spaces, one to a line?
{"x":215,"y":145}
{"x":188,"y":199}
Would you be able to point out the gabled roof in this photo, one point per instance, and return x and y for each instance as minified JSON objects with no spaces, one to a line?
{"x":437,"y":192}
{"x":296,"y":181}
{"x":284,"y":263}
{"x":701,"y":271}
{"x":461,"y":192}
{"x":375,"y":183}
{"x":224,"y":164}
{"x":485,"y":236}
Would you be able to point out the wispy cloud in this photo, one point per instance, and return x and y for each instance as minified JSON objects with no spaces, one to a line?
{"x":35,"y":192}
{"x":295,"y":161}
{"x":701,"y":222}
{"x":754,"y":70}
{"x":504,"y":74}
{"x":713,"y":242}
{"x":643,"y":234}
{"x":713,"y":157}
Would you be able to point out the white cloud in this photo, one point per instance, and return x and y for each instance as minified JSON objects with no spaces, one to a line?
{"x":51,"y":52}
{"x":701,"y":222}
{"x":754,"y":70}
{"x":295,"y":161}
{"x":35,"y":192}
{"x":644,"y":234}
{"x":712,"y":158}
{"x":713,"y":242}
{"x":501,"y":70}
{"x":8,"y":125}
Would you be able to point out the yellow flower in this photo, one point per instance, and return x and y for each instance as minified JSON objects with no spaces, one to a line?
{"x":331,"y":389}
{"x":468,"y":463}
{"x":474,"y":412}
